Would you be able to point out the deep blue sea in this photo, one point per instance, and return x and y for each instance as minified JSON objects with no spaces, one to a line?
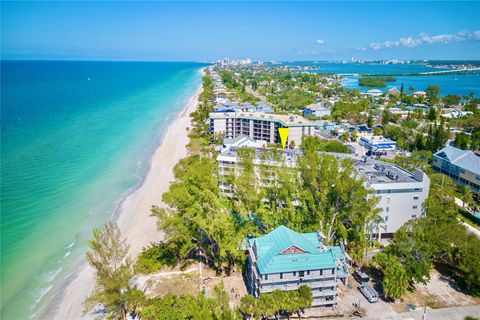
{"x":76,"y":137}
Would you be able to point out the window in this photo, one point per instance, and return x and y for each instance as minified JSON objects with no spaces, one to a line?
{"x":320,"y":289}
{"x":281,"y":275}
{"x":294,"y":273}
{"x":415,"y":207}
{"x":386,"y":218}
{"x":398,"y":191}
{"x":333,"y":270}
{"x":266,"y":277}
{"x":415,"y":198}
{"x":321,"y":272}
{"x":301,"y":273}
{"x":414,"y":216}
{"x":308,"y":272}
{"x":387,"y":209}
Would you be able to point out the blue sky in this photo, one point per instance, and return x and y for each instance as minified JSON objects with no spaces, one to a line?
{"x":205,"y":31}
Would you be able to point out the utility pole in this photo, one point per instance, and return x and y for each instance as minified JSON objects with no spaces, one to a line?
{"x":424,"y":315}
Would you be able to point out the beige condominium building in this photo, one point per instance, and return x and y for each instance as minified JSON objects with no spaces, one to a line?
{"x":271,"y":128}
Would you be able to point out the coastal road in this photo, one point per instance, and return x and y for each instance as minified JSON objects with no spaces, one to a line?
{"x":255,"y":94}
{"x":454,"y":313}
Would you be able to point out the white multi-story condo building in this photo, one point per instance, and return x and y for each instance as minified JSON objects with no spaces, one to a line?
{"x":401,"y":194}
{"x":261,"y":126}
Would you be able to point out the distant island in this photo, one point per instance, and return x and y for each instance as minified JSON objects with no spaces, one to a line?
{"x":379,"y":82}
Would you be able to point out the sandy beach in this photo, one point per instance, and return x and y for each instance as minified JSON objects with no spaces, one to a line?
{"x":133,"y":215}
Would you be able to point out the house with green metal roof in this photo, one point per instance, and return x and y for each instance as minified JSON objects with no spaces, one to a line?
{"x":284,"y":259}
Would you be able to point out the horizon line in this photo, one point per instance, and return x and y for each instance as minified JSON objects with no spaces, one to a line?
{"x":214,"y":61}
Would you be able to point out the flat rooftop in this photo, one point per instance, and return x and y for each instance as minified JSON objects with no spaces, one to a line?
{"x":377,"y":172}
{"x":287,"y":120}
{"x":374,"y":171}
{"x":290,"y":156}
{"x":317,"y":107}
{"x":377,"y":139}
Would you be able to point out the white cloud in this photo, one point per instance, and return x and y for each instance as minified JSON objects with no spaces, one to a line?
{"x":356,"y":48}
{"x":320,"y":41}
{"x":425,"y":38}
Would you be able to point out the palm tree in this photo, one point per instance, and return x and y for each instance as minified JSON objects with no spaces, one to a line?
{"x":467,"y":195}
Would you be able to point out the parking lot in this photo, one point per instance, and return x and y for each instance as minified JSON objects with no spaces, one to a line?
{"x":442,"y":299}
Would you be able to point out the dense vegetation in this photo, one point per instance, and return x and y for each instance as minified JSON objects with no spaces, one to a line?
{"x":239,"y":87}
{"x":276,"y":303}
{"x":352,"y":111}
{"x":201,"y":224}
{"x":287,"y":91}
{"x":437,"y":239}
{"x":313,"y":143}
{"x":190,"y":307}
{"x":118,"y":298}
{"x":379,"y":82}
{"x":197,"y":222}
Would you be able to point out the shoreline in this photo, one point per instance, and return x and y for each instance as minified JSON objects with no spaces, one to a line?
{"x":132,"y":214}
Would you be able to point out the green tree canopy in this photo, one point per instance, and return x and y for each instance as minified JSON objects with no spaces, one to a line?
{"x":336,"y":200}
{"x":462,"y":141}
{"x":395,"y":278}
{"x":108,"y":255}
{"x":196,"y":222}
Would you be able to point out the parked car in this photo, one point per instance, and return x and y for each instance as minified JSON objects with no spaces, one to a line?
{"x":361,"y":276}
{"x":370,"y":294}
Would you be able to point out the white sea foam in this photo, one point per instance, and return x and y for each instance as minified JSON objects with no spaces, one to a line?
{"x":33,"y":314}
{"x":64,"y":256}
{"x":40,"y":294}
{"x":71,"y":245}
{"x":49,"y":276}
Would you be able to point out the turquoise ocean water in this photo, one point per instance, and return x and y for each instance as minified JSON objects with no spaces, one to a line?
{"x":76,"y":137}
